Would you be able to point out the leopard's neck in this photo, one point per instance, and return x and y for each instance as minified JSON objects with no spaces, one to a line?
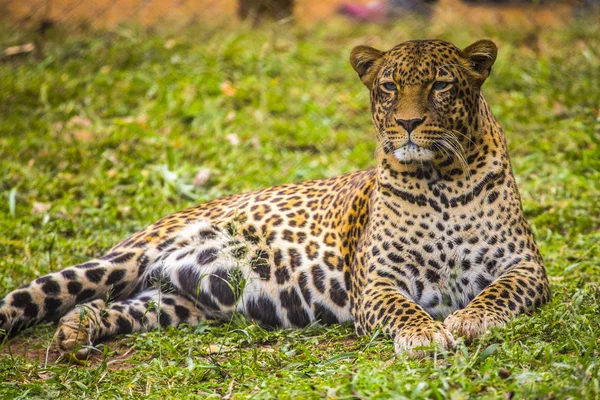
{"x":450,"y":179}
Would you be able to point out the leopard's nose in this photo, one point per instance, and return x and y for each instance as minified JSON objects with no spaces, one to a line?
{"x":410,"y":124}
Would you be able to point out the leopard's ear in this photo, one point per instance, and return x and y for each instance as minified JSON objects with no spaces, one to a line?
{"x":479,"y":58}
{"x":364,"y":60}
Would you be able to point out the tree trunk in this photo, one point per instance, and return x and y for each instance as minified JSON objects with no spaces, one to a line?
{"x":258,"y":10}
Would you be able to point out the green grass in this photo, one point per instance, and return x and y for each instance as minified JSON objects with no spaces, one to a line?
{"x":103,"y":133}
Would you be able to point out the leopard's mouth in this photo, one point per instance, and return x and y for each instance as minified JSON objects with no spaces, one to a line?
{"x":413,"y":152}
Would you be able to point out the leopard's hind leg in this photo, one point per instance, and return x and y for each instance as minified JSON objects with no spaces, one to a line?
{"x":93,"y":321}
{"x":114,"y":275}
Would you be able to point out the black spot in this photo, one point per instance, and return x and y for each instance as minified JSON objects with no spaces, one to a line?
{"x":142,"y":264}
{"x":135,"y":314}
{"x":74,"y":287}
{"x":105,"y":322}
{"x":51,"y":305}
{"x":277,"y":257}
{"x":168,"y":301}
{"x":303,"y":283}
{"x":206,"y":301}
{"x":51,"y":287}
{"x":260,"y":264}
{"x":295,"y":259}
{"x":123,"y":258}
{"x":324,"y":315}
{"x":290,"y":300}
{"x":240,"y":250}
{"x":221,"y":287}
{"x":69,"y":274}
{"x":208,"y":234}
{"x":418,"y":257}
{"x":433,"y":302}
{"x":395,"y":258}
{"x":189,"y":279}
{"x":432,"y":276}
{"x":117,"y":307}
{"x":165,"y":244}
{"x":282,"y":275}
{"x":231,"y":229}
{"x":85,"y":295}
{"x":123,"y":325}
{"x":482,"y":282}
{"x":337,"y":293}
{"x":24,"y":301}
{"x":263,"y":310}
{"x":182,"y":312}
{"x":117,"y":290}
{"x":86,"y":265}
{"x":250,"y":236}
{"x":318,"y":278}
{"x":465,"y":264}
{"x":110,"y":255}
{"x":95,"y":275}
{"x":207,"y":256}
{"x":164,"y":319}
{"x":419,"y":285}
{"x":115,"y":276}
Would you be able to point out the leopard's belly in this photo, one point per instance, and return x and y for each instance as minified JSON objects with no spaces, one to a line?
{"x":282,"y":285}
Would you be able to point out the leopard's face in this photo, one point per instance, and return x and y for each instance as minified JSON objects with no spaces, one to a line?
{"x":424,"y":95}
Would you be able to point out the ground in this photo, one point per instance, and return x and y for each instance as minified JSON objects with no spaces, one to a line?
{"x":103,"y":133}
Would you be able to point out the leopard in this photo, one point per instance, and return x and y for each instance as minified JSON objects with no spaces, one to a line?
{"x":429,"y":247}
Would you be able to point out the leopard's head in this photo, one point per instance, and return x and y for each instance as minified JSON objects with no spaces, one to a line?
{"x":424,"y":95}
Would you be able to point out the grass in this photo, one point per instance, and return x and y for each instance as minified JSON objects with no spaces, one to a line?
{"x":103,"y":133}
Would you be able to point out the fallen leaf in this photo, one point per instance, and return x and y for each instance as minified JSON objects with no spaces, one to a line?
{"x":559,"y":109}
{"x":227,"y":89}
{"x":255,"y":142}
{"x":233,"y":139}
{"x":214,"y":349}
{"x":15,"y":50}
{"x":39,"y":208}
{"x":83,"y":136}
{"x":78,"y":128}
{"x":202,"y":177}
{"x":79,"y":122}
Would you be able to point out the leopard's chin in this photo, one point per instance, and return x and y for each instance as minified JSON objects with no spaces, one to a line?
{"x":412,"y":152}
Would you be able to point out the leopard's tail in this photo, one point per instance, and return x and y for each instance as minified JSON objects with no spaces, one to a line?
{"x":112,"y":276}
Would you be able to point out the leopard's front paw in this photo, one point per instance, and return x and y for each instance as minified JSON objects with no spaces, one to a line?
{"x":76,"y":330}
{"x":431,"y":335}
{"x":471,"y":323}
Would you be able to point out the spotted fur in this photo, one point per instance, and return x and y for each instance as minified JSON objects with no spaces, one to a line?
{"x":430,"y":244}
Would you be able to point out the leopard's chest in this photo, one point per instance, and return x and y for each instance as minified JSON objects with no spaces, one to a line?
{"x":445,"y":268}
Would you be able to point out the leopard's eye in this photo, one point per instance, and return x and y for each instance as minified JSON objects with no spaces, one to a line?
{"x":441,"y":85}
{"x":390,"y":86}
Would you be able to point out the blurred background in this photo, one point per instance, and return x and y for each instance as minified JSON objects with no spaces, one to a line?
{"x":108,"y":14}
{"x":114,"y":113}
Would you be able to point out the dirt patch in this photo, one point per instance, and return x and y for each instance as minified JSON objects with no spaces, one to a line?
{"x":118,"y":358}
